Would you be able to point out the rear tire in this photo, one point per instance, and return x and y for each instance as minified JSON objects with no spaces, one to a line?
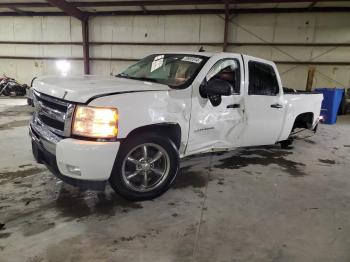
{"x":145,"y":167}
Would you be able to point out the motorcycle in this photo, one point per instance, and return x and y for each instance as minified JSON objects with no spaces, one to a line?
{"x":10,"y":87}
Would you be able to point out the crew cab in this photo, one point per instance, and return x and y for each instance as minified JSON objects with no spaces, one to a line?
{"x":132,"y":129}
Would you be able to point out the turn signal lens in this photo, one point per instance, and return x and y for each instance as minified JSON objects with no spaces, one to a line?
{"x":96,"y":122}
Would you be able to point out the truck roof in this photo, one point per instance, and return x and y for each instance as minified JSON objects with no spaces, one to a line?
{"x":207,"y":54}
{"x":210,"y":54}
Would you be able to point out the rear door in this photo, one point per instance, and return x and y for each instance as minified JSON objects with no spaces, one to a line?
{"x":264,"y":103}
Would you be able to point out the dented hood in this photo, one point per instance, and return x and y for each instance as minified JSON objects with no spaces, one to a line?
{"x":82,"y":88}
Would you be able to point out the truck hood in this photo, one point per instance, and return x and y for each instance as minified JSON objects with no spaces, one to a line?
{"x":82,"y":88}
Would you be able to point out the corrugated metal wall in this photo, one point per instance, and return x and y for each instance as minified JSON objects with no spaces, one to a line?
{"x":312,"y":28}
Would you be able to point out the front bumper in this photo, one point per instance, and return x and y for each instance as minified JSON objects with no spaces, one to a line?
{"x":94,"y":160}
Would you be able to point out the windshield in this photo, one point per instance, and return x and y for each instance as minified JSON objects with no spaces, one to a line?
{"x":174,"y":70}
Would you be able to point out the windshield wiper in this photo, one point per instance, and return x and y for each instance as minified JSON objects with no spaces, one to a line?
{"x":139,"y":78}
{"x":145,"y":79}
{"x":123,"y":75}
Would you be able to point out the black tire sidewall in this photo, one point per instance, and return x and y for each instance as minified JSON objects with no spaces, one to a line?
{"x":116,"y":180}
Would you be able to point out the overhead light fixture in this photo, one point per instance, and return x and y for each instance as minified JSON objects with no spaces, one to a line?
{"x":63,"y":66}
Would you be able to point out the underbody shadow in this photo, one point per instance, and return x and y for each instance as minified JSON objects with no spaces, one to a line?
{"x":195,"y":172}
{"x":73,"y":203}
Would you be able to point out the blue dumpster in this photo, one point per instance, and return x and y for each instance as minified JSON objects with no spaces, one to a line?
{"x":332,"y":98}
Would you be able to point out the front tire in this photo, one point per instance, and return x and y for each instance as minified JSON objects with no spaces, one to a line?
{"x":145,"y":168}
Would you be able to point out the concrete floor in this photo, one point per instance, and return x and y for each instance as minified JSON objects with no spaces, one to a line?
{"x":255,"y":204}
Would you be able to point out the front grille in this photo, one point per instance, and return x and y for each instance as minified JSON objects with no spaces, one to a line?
{"x":54,"y":113}
{"x":52,"y":122}
{"x":59,"y":107}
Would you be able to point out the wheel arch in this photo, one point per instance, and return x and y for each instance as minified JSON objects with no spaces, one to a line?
{"x":171,"y":130}
{"x":304,"y":120}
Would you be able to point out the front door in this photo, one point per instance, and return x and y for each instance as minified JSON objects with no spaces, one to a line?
{"x":264,"y":104}
{"x":217,"y":124}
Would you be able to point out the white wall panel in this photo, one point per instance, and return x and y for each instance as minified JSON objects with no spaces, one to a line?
{"x":288,"y":73}
{"x":103,"y":51}
{"x":75,"y":30}
{"x":253,"y":28}
{"x":27,"y":28}
{"x":290,"y":53}
{"x":7,"y":50}
{"x":76,"y":50}
{"x":56,"y":29}
{"x":294,"y":28}
{"x":57,"y":51}
{"x":100,"y":67}
{"x":211,"y":29}
{"x":333,"y":27}
{"x":109,"y":67}
{"x":25,"y":70}
{"x":257,"y":51}
{"x":28,"y":50}
{"x":8,"y":67}
{"x":102,"y":29}
{"x":182,"y":28}
{"x":332,"y":76}
{"x":341,"y":54}
{"x":123,"y":30}
{"x":149,"y":29}
{"x":7,"y":28}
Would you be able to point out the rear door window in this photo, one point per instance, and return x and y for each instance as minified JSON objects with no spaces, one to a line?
{"x":262,"y":79}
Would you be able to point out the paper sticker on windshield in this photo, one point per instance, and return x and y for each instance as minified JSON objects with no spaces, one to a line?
{"x":192,"y":59}
{"x":157,"y":62}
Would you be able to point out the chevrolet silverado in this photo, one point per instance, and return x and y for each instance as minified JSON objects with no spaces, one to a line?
{"x":132,"y":129}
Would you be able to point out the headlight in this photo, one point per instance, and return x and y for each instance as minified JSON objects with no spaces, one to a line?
{"x":96,"y":122}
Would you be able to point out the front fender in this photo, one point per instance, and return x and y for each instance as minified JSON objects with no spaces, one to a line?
{"x":140,"y":109}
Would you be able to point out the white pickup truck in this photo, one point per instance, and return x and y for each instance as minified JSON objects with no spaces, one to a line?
{"x":132,"y":129}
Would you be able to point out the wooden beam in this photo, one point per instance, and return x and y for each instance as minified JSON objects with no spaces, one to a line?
{"x":69,"y":9}
{"x":86,"y":47}
{"x":310,"y":78}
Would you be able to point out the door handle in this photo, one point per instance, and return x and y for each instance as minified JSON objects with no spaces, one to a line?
{"x":234,"y":106}
{"x":276,"y":106}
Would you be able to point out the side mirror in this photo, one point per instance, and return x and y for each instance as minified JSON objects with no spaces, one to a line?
{"x":216,"y":87}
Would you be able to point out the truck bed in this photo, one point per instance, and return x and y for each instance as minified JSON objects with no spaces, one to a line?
{"x":290,"y":91}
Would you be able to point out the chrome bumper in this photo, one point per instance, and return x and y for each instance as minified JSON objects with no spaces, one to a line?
{"x":42,"y":135}
{"x":44,"y":152}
